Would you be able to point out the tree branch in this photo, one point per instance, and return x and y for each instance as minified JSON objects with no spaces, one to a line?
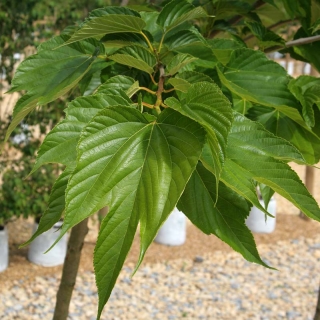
{"x":294,"y":43}
{"x":302,"y":41}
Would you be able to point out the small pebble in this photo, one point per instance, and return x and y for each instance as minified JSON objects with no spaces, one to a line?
{"x":198,"y":259}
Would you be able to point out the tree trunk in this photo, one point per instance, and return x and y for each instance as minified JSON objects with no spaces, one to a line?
{"x":309,"y":182}
{"x":70,"y":270}
{"x":317,"y":315}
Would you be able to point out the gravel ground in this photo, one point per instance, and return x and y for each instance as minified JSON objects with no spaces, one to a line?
{"x":214,"y":286}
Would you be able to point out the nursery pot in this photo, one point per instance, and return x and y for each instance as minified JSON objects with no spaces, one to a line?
{"x":257,"y":221}
{"x":173,"y":231}
{"x":43,"y":242}
{"x":4,"y":249}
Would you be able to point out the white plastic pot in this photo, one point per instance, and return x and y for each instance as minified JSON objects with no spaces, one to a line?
{"x":257,"y":222}
{"x":43,"y":242}
{"x":173,"y":231}
{"x":4,"y":249}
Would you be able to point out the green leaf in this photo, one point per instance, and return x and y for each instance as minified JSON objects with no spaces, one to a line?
{"x":266,"y":37}
{"x":241,"y":105}
{"x":263,"y":167}
{"x":133,"y":89}
{"x":100,"y":12}
{"x":307,"y":90}
{"x":59,"y":146}
{"x":49,"y":74}
{"x":235,"y":177}
{"x":194,"y":77}
{"x":184,"y":39}
{"x":225,"y":219}
{"x":113,"y":244}
{"x":179,"y":84}
{"x":206,"y":104}
{"x":116,"y":84}
{"x":280,"y":177}
{"x":120,"y":40}
{"x":308,"y":51}
{"x":177,"y":12}
{"x":228,"y":8}
{"x":253,"y":77}
{"x":316,"y":26}
{"x":55,"y":207}
{"x":108,"y":24}
{"x":191,"y":42}
{"x":266,"y":194}
{"x":124,"y":139}
{"x":24,"y":106}
{"x":178,"y":62}
{"x":249,"y":135}
{"x":149,"y":18}
{"x":92,"y":79}
{"x":307,"y":142}
{"x":223,"y":48}
{"x":136,"y":57}
{"x":137,"y":168}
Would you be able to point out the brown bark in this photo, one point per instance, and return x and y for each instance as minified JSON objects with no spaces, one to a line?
{"x":317,"y":315}
{"x":70,"y":270}
{"x":309,"y":182}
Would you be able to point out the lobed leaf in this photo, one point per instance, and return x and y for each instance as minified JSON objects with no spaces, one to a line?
{"x":138,"y":168}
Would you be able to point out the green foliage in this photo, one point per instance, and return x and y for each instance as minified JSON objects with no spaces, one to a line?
{"x":158,"y":122}
{"x":24,"y":197}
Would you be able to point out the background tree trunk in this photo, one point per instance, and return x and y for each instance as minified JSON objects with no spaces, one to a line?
{"x":317,"y":315}
{"x":309,"y":182}
{"x":70,"y":270}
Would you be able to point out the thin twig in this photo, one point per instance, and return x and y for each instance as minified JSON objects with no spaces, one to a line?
{"x":294,"y":43}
